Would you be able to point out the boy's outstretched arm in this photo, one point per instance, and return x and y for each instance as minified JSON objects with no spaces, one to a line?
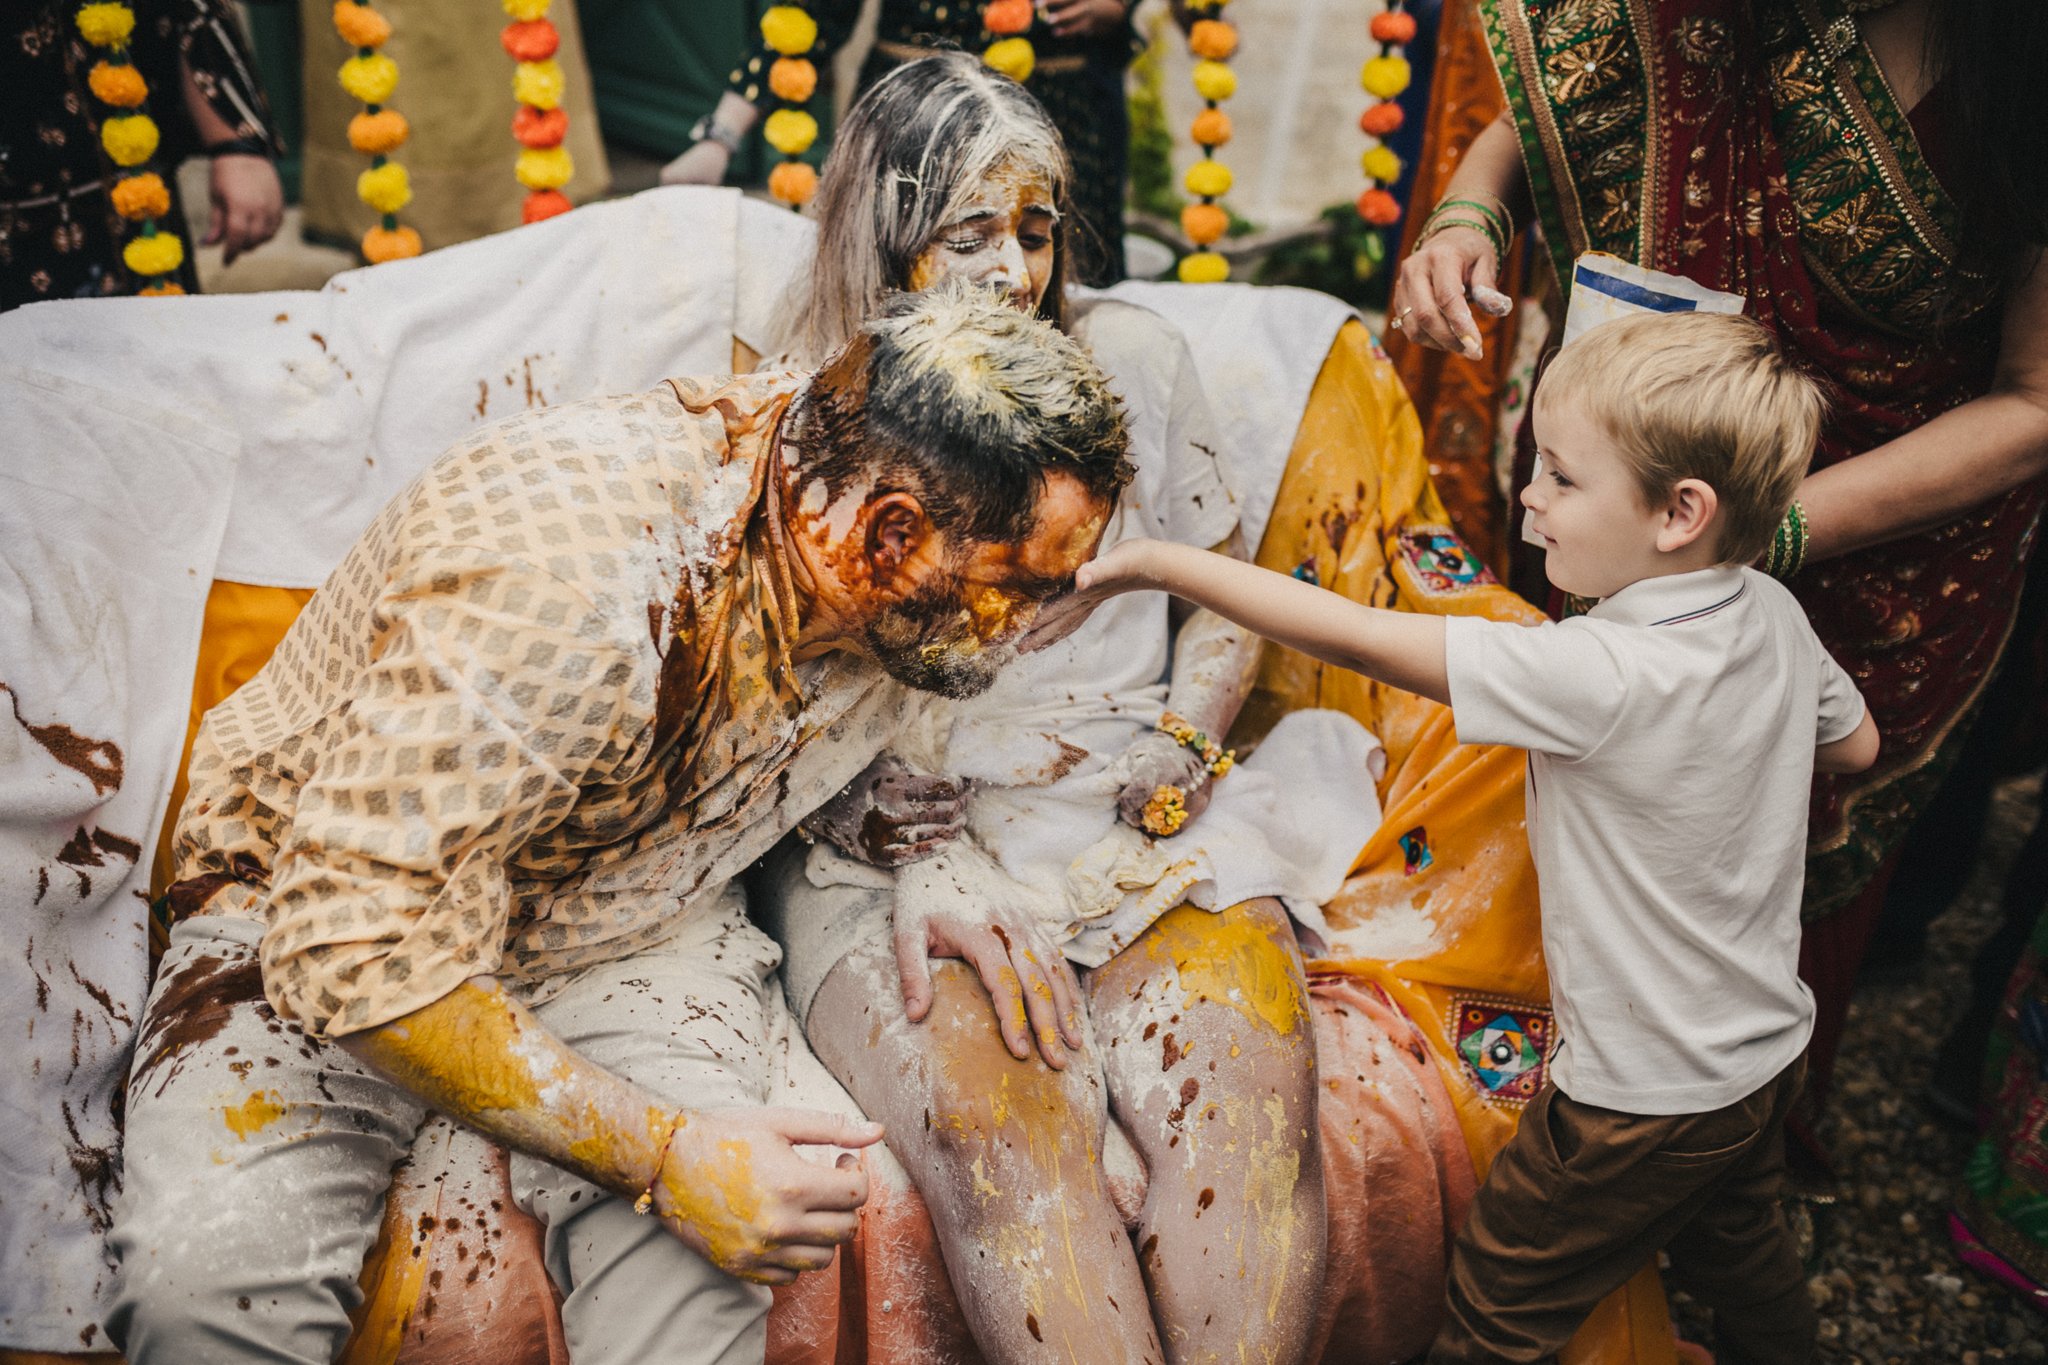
{"x":1401,"y":648}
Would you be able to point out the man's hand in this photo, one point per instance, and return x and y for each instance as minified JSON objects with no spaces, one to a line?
{"x":248,"y":204}
{"x":892,"y":815}
{"x":1081,"y":18}
{"x":1034,"y":991}
{"x":733,"y":1187}
{"x":1156,"y":760}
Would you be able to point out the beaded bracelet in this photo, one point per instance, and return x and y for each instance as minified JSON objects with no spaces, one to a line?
{"x":1217,"y":759}
{"x":645,"y":1203}
{"x":1788,"y":544}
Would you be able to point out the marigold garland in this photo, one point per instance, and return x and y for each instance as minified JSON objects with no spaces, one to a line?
{"x":1213,"y":41}
{"x":376,"y":131}
{"x":790,"y":32}
{"x":129,"y":137}
{"x":1005,"y":23}
{"x":540,"y":125}
{"x":1384,"y":77}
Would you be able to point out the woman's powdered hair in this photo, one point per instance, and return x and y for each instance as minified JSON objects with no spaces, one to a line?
{"x":954,"y":395}
{"x":1708,"y":396}
{"x":910,"y":157}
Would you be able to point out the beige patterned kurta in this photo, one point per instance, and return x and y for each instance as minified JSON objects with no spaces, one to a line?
{"x":541,"y":712}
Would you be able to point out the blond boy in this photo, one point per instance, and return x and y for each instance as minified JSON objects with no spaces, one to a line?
{"x":1673,"y":732}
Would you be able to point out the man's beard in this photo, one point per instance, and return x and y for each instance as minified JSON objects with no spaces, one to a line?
{"x":927,"y":642}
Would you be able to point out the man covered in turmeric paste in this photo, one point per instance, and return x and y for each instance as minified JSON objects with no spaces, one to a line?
{"x":468,"y":842}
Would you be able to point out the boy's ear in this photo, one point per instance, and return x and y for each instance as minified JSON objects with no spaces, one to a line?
{"x":1688,"y":514}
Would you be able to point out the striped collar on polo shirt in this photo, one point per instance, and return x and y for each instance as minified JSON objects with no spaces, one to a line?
{"x":1673,"y":599}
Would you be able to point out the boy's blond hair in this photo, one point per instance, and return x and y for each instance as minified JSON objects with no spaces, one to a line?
{"x":1706,"y":396}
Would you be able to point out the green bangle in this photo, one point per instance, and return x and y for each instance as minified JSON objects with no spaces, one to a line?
{"x":1432,"y":226}
{"x":1493,"y":215}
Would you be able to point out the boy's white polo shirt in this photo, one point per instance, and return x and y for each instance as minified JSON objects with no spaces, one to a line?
{"x":1671,"y":735}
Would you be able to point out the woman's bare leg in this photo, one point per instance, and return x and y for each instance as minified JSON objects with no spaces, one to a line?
{"x":1207,"y":1043}
{"x":1008,"y":1157}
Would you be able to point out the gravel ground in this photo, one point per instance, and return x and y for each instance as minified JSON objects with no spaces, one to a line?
{"x":1888,"y":1287}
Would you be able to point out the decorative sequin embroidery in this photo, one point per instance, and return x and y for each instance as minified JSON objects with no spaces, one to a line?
{"x":1505,"y":1046}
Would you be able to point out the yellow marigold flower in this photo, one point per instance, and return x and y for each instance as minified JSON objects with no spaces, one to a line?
{"x":141,"y":196}
{"x":386,"y":188}
{"x":130,"y":139}
{"x":792,"y":79}
{"x":359,"y":25}
{"x":1380,"y":163}
{"x":538,"y":83}
{"x":789,"y":29}
{"x":1208,"y":179}
{"x":526,"y":11}
{"x":121,"y":86}
{"x":1215,"y":81}
{"x":1013,"y":57}
{"x":382,"y":244}
{"x":544,"y":168}
{"x":1203,"y":267}
{"x":370,"y":79}
{"x":793,"y":183}
{"x":162,"y":289}
{"x":1385,"y":77}
{"x":106,"y":25}
{"x":378,"y":134}
{"x":790,"y":131}
{"x":158,"y":255}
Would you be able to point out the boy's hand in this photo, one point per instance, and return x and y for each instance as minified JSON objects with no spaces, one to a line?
{"x":1034,"y":992}
{"x":732,"y":1187}
{"x":1121,"y":568}
{"x":892,"y":815}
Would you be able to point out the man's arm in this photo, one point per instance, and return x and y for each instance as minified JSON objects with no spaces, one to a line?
{"x":1400,"y":648}
{"x":727,"y":1182}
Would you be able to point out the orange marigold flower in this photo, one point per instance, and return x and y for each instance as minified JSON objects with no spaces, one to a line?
{"x":542,"y":204}
{"x":1211,"y":128}
{"x":792,"y":79}
{"x":382,"y":244}
{"x":1204,"y":223}
{"x":141,"y":196}
{"x":162,"y":289}
{"x":378,"y":134}
{"x":1379,"y":208}
{"x":121,"y":86}
{"x":359,"y":25}
{"x":540,"y":127}
{"x":1007,"y":16}
{"x":530,"y":40}
{"x":793,"y":183}
{"x":1381,"y":119}
{"x":1393,"y":27}
{"x":1213,"y":39}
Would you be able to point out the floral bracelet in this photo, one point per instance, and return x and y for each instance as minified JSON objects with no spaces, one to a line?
{"x":1217,"y":759}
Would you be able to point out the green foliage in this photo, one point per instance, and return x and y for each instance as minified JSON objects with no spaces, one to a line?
{"x":1152,"y":182}
{"x":1346,"y":257}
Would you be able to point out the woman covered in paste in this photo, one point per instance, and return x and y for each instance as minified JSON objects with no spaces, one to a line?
{"x":1070,"y":847}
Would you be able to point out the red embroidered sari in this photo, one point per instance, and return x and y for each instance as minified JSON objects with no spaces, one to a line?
{"x":1753,"y":146}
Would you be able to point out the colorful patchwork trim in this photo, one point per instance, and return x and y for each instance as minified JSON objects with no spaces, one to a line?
{"x":1504,"y":1045}
{"x":1441,"y":563}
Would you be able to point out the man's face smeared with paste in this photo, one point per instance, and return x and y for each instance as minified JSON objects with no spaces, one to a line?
{"x":947,"y":615}
{"x":1004,"y":238}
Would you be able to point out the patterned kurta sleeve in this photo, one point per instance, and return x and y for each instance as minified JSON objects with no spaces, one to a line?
{"x":836,"y":18}
{"x":493,"y":695}
{"x":208,"y":35}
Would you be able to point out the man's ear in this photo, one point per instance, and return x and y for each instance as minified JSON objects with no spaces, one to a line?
{"x":898,"y":528}
{"x":1688,"y":514}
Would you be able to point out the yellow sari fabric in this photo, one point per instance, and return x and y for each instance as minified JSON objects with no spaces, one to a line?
{"x":1356,"y":512}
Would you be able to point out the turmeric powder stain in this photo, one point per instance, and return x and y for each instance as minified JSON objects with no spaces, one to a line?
{"x":254,"y":1114}
{"x":719,"y":1197}
{"x":478,"y":1026}
{"x":1233,"y":958}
